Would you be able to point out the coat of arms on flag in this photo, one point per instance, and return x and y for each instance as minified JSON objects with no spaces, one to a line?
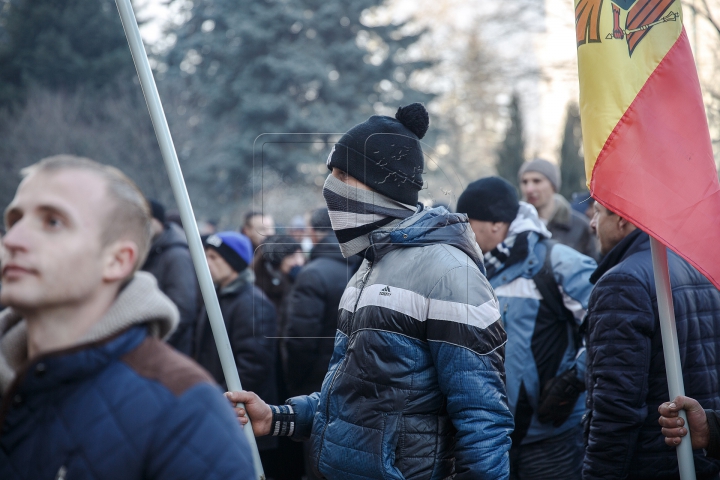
{"x":648,"y":155}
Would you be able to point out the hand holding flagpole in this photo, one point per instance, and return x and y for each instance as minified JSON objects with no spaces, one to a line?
{"x":152,"y":97}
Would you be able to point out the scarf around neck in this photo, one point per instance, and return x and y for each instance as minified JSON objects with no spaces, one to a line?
{"x":515,"y":245}
{"x":355,"y":213}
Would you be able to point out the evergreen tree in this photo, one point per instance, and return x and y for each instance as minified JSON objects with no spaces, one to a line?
{"x":252,"y":67}
{"x":572,"y":166}
{"x":60,"y":45}
{"x":511,"y":154}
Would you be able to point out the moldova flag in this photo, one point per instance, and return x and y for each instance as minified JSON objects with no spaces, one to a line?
{"x":648,"y":155}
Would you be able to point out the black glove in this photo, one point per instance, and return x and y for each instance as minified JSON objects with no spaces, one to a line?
{"x":558,"y":398}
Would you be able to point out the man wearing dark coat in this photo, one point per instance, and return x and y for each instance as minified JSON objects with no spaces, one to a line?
{"x":170,"y":263}
{"x":249,"y":318}
{"x":625,"y":377}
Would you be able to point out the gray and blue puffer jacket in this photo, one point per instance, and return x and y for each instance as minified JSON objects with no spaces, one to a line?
{"x":415,"y":388}
{"x":540,"y":345}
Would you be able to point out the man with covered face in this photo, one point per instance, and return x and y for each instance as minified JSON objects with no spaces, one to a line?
{"x":415,"y":387}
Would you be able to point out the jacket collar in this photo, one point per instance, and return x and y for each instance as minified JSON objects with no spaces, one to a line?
{"x":523,"y":260}
{"x":427,"y":227}
{"x":635,"y":242}
{"x":140,"y":302}
{"x":244,"y":278}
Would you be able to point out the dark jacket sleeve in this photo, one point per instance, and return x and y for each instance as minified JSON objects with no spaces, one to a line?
{"x":620,"y":328}
{"x":713,"y":449}
{"x":305,"y":314}
{"x":199,"y":438}
{"x":179,"y":283}
{"x":253,"y":321}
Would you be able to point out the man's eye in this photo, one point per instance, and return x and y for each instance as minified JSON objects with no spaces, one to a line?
{"x":54,"y":222}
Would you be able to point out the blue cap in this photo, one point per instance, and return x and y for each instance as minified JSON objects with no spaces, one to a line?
{"x":235,"y":248}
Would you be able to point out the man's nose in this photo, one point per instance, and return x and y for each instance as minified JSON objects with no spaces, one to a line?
{"x":15,"y":238}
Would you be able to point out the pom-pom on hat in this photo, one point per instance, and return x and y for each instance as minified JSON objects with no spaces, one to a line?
{"x":384,"y":153}
{"x":490,"y":199}
{"x":235,"y":248}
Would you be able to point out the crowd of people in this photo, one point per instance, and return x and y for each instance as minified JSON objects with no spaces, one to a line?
{"x":517,"y":337}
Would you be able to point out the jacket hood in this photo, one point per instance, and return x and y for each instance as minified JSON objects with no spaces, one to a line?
{"x":140,"y":302}
{"x":563,"y":211}
{"x":429,"y":227}
{"x":328,"y":247}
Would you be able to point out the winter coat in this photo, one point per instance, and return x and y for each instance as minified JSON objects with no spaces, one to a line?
{"x":170,"y":263}
{"x":311,"y":316}
{"x":251,"y":326}
{"x":119,"y":405}
{"x":572,"y":228}
{"x":540,"y":345}
{"x":415,"y":387}
{"x":626,"y":379}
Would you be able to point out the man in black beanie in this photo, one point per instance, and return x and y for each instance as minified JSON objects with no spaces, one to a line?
{"x":415,"y":386}
{"x":170,"y":263}
{"x":543,"y":289}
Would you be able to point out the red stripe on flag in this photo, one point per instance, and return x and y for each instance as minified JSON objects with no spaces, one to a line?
{"x":657,"y":168}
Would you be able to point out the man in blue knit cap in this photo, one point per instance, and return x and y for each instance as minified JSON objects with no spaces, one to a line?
{"x":249,"y":319}
{"x":415,"y":385}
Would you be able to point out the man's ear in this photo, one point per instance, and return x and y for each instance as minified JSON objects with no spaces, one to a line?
{"x":120,"y":259}
{"x":624,"y":224}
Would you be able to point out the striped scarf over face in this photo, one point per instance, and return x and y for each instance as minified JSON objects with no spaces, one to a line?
{"x":354,"y":213}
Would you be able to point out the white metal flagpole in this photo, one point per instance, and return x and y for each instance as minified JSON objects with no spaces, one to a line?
{"x":152,"y":97}
{"x":673,"y":368}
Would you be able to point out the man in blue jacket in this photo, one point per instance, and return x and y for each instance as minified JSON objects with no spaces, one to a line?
{"x":415,"y":386}
{"x":626,"y":380}
{"x":543,"y":290}
{"x":88,"y":388}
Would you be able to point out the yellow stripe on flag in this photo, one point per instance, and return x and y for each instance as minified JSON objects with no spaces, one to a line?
{"x":610,"y":78}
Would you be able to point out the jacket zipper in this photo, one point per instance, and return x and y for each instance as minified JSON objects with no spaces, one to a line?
{"x":363,"y":282}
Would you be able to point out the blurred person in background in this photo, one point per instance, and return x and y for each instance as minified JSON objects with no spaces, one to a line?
{"x":311,"y":314}
{"x":540,"y":184}
{"x":170,"y":263}
{"x":88,"y":388}
{"x":250,"y":322}
{"x":276,"y":264}
{"x":582,"y":202}
{"x":257,"y":227}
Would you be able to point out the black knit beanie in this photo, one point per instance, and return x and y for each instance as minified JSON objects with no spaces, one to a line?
{"x":490,"y":199}
{"x":384,"y":153}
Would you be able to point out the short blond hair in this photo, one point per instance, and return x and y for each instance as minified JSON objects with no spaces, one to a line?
{"x":130,"y":215}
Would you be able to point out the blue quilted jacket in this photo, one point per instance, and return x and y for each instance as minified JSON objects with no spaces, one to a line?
{"x":415,"y":388}
{"x":540,"y":346}
{"x":127,"y":408}
{"x":626,"y":380}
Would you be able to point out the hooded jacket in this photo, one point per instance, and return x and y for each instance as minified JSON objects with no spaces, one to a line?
{"x":170,"y":263}
{"x":311,"y":316}
{"x":626,"y":379}
{"x":540,"y":345}
{"x":572,"y":228}
{"x":415,"y":388}
{"x":120,"y":404}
